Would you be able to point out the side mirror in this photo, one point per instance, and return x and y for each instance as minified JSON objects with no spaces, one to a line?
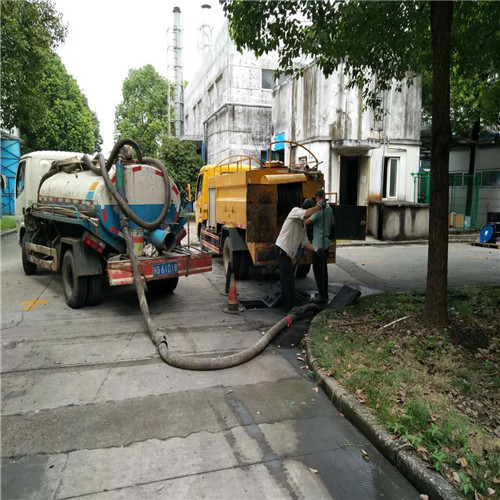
{"x":4,"y":182}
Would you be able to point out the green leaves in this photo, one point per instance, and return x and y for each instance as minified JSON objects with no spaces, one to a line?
{"x":182,"y":161}
{"x":143,"y":112}
{"x":386,"y":39}
{"x":67,"y":124}
{"x":143,"y":116}
{"x":31,"y":30}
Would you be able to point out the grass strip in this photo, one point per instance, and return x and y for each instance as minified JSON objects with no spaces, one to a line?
{"x":436,"y":388}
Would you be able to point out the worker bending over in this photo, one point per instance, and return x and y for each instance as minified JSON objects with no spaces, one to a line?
{"x":291,"y":240}
{"x":322,"y":222}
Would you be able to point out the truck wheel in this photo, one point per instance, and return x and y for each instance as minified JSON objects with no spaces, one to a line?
{"x":74,"y":287}
{"x":303,"y":270}
{"x":94,"y":288}
{"x":29,"y":267}
{"x":158,"y":287}
{"x":239,"y":261}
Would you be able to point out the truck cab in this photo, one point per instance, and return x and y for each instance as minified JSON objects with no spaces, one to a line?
{"x":30,"y":170}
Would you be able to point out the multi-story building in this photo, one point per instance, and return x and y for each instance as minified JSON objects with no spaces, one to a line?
{"x":228,"y":103}
{"x":348,"y":139}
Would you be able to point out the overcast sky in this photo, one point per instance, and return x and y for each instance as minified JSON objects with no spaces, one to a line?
{"x":106,"y":38}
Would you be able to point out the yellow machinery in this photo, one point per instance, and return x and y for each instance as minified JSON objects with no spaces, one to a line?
{"x":242,"y":203}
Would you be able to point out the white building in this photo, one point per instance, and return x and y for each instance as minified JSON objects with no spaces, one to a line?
{"x":228,"y":103}
{"x":333,"y":123}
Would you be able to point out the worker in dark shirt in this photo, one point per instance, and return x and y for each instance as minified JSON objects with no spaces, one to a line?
{"x":322,"y":223}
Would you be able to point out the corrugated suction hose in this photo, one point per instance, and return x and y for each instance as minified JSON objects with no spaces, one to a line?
{"x":158,"y":336}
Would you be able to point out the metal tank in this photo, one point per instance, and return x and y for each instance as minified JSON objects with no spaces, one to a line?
{"x":145,"y":194}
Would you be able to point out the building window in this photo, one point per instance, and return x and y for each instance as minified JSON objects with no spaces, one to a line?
{"x":211,"y":94}
{"x":281,"y":78}
{"x":491,"y":178}
{"x":267,"y":78}
{"x":263,"y":155}
{"x":390,"y":188}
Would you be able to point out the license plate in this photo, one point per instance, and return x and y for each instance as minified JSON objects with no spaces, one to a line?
{"x":166,"y":269}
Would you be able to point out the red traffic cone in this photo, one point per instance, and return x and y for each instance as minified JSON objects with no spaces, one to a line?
{"x":232,"y":298}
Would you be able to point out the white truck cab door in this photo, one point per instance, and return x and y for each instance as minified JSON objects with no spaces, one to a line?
{"x":29,"y":172}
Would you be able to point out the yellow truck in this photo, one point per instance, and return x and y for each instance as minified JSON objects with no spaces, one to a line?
{"x":241,"y":204}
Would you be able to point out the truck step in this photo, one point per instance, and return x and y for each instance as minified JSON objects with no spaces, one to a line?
{"x":51,"y":263}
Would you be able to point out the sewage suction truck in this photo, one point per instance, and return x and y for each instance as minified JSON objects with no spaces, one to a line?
{"x":74,"y":215}
{"x":114,"y":222}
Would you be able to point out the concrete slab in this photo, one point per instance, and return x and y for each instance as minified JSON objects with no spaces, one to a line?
{"x":38,"y":390}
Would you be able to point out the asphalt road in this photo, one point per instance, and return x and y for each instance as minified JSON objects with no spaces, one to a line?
{"x":89,"y":410}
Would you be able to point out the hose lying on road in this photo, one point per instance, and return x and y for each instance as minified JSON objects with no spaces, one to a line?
{"x":159,"y":337}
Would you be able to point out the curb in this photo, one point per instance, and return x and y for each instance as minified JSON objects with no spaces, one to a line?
{"x":6,"y":233}
{"x":405,"y":460}
{"x":403,"y":242}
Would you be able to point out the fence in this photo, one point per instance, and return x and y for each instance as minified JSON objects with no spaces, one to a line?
{"x":463,"y":197}
{"x":10,"y":152}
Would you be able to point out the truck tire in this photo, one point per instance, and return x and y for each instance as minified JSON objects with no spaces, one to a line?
{"x":303,"y":270}
{"x":94,"y":288}
{"x":158,"y":287}
{"x":240,"y":261}
{"x":29,"y":267}
{"x":74,"y":287}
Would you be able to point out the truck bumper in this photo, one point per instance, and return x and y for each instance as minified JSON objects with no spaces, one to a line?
{"x":188,"y":262}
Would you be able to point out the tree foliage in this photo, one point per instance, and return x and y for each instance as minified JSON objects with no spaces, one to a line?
{"x":68,"y":124}
{"x":143,"y":116}
{"x":386,"y":39}
{"x":30,"y":32}
{"x":182,"y":161}
{"x":474,"y":75}
{"x":143,"y":112}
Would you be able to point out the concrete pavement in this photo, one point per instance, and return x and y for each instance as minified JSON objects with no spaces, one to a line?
{"x":89,"y":410}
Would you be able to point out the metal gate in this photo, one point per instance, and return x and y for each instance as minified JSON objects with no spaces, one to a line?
{"x":10,"y":153}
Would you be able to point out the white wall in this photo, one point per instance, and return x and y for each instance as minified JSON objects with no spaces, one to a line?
{"x":236,"y":79}
{"x":322,"y":114}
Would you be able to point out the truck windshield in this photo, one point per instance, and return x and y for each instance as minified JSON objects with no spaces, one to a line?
{"x":199,"y":186}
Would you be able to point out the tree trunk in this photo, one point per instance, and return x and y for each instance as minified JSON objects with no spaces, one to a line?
{"x":437,"y":267}
{"x":472,"y":166}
